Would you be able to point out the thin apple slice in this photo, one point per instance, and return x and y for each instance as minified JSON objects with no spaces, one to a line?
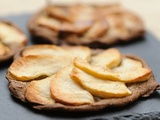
{"x":100,"y":72}
{"x":81,"y":51}
{"x":129,"y":71}
{"x":127,"y":64}
{"x":100,"y":87}
{"x":78,"y":27}
{"x":80,"y":22}
{"x":109,"y":58}
{"x":38,"y":92}
{"x":10,"y":35}
{"x":132,"y":71}
{"x":3,"y":49}
{"x":32,"y":67}
{"x":44,"y":50}
{"x":48,"y":22}
{"x":65,"y":90}
{"x":60,"y":13}
{"x":98,"y":29}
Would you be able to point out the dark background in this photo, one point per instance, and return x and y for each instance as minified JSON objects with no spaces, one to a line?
{"x":148,"y":48}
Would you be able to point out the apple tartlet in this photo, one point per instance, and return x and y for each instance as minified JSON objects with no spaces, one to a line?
{"x":77,"y":78}
{"x":11,"y":40}
{"x":91,"y":25}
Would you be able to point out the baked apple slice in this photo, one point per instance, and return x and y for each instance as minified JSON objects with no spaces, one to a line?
{"x":81,"y":51}
{"x":128,"y":72}
{"x":28,"y":68}
{"x":3,"y":49}
{"x":11,"y":40}
{"x":38,"y":91}
{"x":100,"y":87}
{"x":48,"y":22}
{"x":108,"y":58}
{"x":67,"y":91}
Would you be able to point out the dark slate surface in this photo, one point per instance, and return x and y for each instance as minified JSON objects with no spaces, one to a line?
{"x":144,"y":109}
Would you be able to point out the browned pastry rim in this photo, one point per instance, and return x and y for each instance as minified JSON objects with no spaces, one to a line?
{"x":141,"y":89}
{"x":13,"y":48}
{"x":44,"y":34}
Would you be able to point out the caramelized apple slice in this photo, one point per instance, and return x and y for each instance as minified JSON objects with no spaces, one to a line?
{"x":48,"y":22}
{"x":32,"y":67}
{"x":100,"y":87}
{"x":61,"y":13}
{"x":11,"y":36}
{"x":98,"y":29}
{"x":3,"y":49}
{"x":85,"y":13}
{"x":81,"y":22}
{"x":38,"y":92}
{"x":132,"y":71}
{"x":109,"y":58}
{"x":128,"y":72}
{"x":100,"y":72}
{"x":65,"y":90}
{"x":52,"y":50}
{"x":78,"y":27}
{"x":81,"y":51}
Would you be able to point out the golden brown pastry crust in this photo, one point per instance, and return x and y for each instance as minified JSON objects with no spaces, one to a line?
{"x":140,"y":89}
{"x":112,"y":24}
{"x":12,"y":47}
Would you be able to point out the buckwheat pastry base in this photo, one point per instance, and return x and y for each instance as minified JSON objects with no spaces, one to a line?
{"x":64,"y":25}
{"x":11,"y":40}
{"x":138,"y":89}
